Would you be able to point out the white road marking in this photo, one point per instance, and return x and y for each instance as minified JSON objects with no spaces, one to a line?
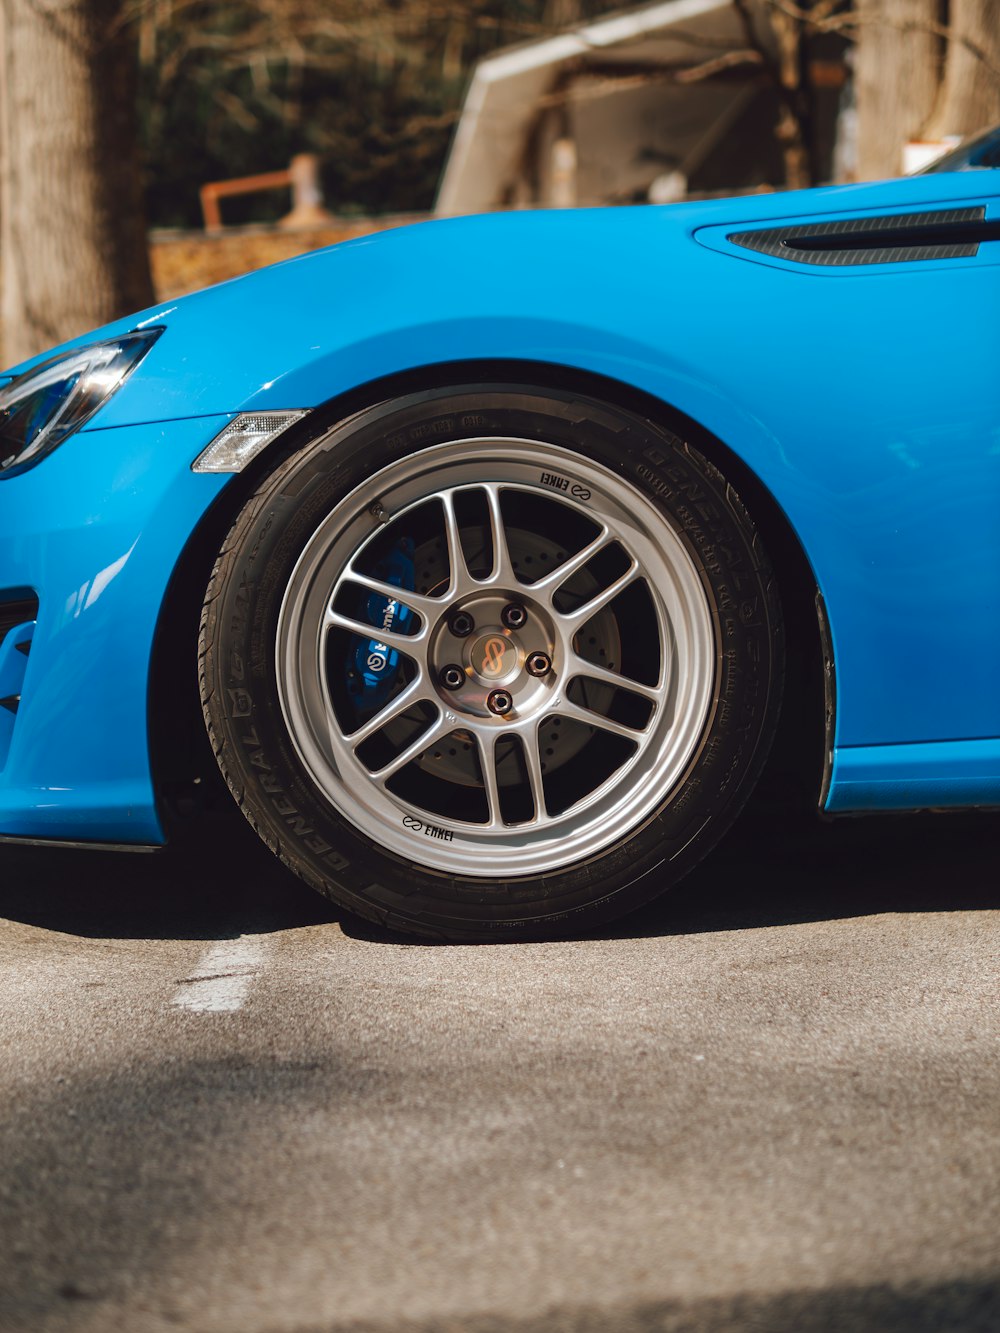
{"x":221,"y":981}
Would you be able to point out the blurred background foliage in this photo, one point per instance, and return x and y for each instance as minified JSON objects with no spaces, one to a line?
{"x":234,"y":88}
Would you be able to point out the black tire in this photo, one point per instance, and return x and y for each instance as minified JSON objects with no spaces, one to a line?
{"x":456,"y":882}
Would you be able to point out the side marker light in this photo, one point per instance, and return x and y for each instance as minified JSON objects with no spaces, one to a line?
{"x":238,"y":443}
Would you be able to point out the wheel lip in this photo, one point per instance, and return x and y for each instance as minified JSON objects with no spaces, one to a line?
{"x":599,"y":822}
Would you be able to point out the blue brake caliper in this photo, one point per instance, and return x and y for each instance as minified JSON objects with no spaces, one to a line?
{"x":374,"y":667}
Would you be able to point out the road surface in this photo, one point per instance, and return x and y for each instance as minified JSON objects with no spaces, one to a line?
{"x":771,"y":1103}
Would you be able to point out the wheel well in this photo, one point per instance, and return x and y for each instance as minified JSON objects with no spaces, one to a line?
{"x":185,"y":775}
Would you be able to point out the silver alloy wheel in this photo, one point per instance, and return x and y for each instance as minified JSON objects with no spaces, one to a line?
{"x":518,"y":682}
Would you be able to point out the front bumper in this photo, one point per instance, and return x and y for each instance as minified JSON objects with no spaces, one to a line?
{"x":94,"y":532}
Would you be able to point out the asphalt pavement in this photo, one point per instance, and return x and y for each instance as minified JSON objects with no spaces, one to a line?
{"x":772,"y":1102}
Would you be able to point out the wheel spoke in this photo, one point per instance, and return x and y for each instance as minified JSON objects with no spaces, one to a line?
{"x":600,"y":600}
{"x":487,"y":743}
{"x":410,"y":645}
{"x":426,"y":607}
{"x":459,"y":578}
{"x":568,"y":709}
{"x":577,"y":666}
{"x":553,"y":581}
{"x":533,"y":763}
{"x":503,"y":571}
{"x":415,"y":692}
{"x":440,"y":727}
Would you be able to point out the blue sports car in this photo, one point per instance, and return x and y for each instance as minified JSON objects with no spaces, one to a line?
{"x":490,"y":556}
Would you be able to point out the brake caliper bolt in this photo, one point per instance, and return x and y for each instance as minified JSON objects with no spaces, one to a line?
{"x":461,"y":624}
{"x":514,"y":615}
{"x":499,"y":702}
{"x":452,"y":677}
{"x":538,"y":664}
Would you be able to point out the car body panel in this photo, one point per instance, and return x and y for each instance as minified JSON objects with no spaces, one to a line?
{"x":904,"y":777}
{"x":99,"y":526}
{"x":864,"y":399}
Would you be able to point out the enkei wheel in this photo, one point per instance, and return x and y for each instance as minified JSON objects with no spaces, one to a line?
{"x":492,"y":662}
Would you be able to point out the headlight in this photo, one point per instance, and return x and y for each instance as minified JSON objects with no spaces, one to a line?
{"x":40,"y":408}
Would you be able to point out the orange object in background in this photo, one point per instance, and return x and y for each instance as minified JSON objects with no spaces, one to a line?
{"x":301,"y":176}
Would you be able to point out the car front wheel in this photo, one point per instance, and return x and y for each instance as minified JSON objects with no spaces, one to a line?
{"x":492,"y":662}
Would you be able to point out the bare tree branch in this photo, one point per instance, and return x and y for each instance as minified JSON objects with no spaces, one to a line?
{"x":715,"y":66}
{"x":852,"y":21}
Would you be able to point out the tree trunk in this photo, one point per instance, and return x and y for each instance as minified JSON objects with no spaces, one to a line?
{"x":793,"y":130}
{"x":897,"y":73}
{"x":969,"y":97}
{"x":72,"y":233}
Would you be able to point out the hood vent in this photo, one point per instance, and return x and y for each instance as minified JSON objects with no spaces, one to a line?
{"x":954,"y":233}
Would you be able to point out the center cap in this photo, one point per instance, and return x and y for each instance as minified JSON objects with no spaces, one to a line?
{"x":494,"y":657}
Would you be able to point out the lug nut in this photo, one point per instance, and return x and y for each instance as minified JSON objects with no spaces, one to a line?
{"x":452,"y":677}
{"x":538,"y":664}
{"x":499,"y":702}
{"x":514,"y":615}
{"x":461,"y":624}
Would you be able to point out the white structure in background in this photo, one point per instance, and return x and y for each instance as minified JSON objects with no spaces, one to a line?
{"x":920,"y":153}
{"x":597,"y":115}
